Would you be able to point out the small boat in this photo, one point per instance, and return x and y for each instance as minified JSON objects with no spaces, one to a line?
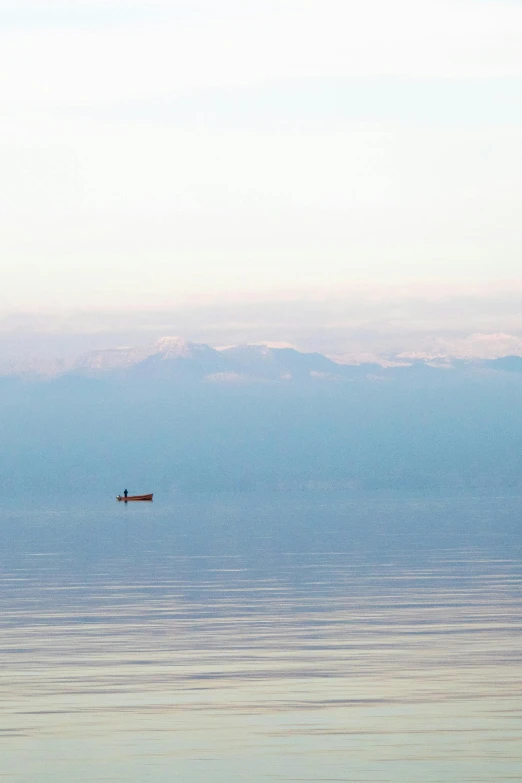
{"x":133,"y":497}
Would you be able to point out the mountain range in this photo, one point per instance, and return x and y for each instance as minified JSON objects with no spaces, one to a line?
{"x":172,"y":358}
{"x":181,"y":416}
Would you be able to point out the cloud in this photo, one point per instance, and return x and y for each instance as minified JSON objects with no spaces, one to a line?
{"x":358,"y":323}
{"x":332,"y":39}
{"x":474,"y":346}
{"x":112,"y":188}
{"x":227,"y":378}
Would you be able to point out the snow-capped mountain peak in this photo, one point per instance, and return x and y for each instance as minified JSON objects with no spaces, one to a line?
{"x":176,"y":348}
{"x":125,"y":358}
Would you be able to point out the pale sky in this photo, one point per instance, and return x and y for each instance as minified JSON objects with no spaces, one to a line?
{"x":153,"y":151}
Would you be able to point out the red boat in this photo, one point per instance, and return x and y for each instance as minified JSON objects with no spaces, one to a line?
{"x":133,"y":498}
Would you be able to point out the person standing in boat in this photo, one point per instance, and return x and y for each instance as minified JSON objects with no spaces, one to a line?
{"x":125,"y":493}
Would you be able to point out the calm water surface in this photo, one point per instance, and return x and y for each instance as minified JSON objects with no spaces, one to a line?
{"x":290,"y":637}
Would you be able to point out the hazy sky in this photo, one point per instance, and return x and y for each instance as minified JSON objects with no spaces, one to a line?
{"x":156,"y":150}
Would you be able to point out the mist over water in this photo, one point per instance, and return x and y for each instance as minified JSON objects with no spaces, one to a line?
{"x":280,"y":636}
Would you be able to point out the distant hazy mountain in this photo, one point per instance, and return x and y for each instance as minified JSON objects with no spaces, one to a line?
{"x":182,"y":416}
{"x":168,"y":357}
{"x":172,"y":358}
{"x":259,"y":361}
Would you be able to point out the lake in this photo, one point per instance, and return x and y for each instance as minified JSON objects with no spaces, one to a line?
{"x":285,"y":636}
